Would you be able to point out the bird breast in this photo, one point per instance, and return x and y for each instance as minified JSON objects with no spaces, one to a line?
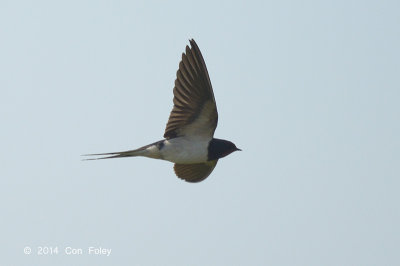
{"x":185,"y":151}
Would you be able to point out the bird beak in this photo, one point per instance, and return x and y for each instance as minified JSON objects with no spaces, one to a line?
{"x":238,"y":149}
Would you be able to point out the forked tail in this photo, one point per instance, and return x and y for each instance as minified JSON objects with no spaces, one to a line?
{"x":152,"y":150}
{"x":111,"y":155}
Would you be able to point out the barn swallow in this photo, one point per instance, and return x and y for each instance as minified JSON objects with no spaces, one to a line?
{"x":189,"y":136}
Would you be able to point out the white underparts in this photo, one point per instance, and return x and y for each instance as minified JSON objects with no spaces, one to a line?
{"x":180,"y":150}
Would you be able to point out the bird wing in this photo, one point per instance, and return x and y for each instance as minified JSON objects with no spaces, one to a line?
{"x":194,"y":173}
{"x":195,"y":111}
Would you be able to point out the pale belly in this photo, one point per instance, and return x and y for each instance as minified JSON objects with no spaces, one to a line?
{"x":184,"y":151}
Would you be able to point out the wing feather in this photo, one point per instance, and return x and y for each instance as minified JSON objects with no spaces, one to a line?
{"x":194,"y":173}
{"x":195,"y":110}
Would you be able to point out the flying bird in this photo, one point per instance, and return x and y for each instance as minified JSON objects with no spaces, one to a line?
{"x":189,"y":136}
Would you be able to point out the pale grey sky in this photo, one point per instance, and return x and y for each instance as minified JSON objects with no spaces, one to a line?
{"x":308,"y":89}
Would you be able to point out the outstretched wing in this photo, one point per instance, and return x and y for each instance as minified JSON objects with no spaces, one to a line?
{"x":194,"y":173}
{"x":195,"y":111}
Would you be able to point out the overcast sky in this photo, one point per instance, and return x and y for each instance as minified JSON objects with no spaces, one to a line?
{"x":309,"y":90}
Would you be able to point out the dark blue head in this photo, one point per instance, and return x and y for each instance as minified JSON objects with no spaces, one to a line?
{"x":218,"y":148}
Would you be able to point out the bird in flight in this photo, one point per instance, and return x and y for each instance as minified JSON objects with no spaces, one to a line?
{"x":189,"y":136}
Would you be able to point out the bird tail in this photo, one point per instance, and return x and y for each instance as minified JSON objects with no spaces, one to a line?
{"x":110,"y":155}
